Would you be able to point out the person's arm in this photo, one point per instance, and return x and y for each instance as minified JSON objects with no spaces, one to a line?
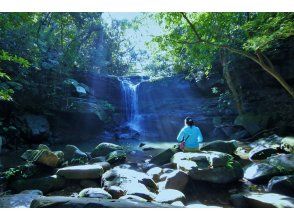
{"x":200,"y":137}
{"x":181,"y":134}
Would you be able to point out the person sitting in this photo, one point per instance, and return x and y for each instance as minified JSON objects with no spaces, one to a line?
{"x":190,"y":136}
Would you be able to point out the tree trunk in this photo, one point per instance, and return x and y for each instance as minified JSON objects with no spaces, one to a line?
{"x":230,"y":82}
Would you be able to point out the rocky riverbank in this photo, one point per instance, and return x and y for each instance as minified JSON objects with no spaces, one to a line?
{"x":222,"y":174}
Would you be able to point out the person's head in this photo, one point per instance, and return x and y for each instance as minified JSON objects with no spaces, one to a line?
{"x":189,"y":121}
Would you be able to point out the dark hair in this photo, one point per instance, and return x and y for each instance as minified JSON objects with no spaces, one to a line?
{"x":189,"y":121}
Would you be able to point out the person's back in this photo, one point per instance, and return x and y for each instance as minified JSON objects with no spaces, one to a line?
{"x":191,"y":135}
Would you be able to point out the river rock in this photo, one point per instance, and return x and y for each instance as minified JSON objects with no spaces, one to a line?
{"x":227,"y":147}
{"x":282,"y":185}
{"x":93,"y":171}
{"x":154,"y":173}
{"x":261,"y":153}
{"x":21,"y":200}
{"x":42,"y":155}
{"x":288,"y":144}
{"x":133,"y":197}
{"x":176,"y":180}
{"x":214,"y":167}
{"x":72,"y":152}
{"x":37,"y":127}
{"x":115,"y":191}
{"x":98,"y":159}
{"x":72,"y":202}
{"x":95,"y":193}
{"x":170,"y":196}
{"x":115,"y":157}
{"x":178,"y":204}
{"x":138,"y":189}
{"x":89,"y":184}
{"x":45,"y":184}
{"x":104,"y":149}
{"x":163,"y":157}
{"x":105,"y":165}
{"x":261,"y":200}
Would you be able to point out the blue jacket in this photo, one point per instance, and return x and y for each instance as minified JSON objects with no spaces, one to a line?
{"x":194,"y":138}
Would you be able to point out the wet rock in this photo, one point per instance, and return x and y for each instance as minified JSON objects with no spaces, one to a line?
{"x":282,"y":185}
{"x":261,"y":172}
{"x":154,"y":173}
{"x":71,"y":202}
{"x":115,"y":191}
{"x":133,"y":197}
{"x":214,"y":167}
{"x":93,"y":171}
{"x":21,"y":200}
{"x":131,"y":181}
{"x":72,"y":152}
{"x":288,"y":144}
{"x":170,"y":196}
{"x":116,"y":157}
{"x":104,"y":149}
{"x":164,"y":157}
{"x":261,"y":200}
{"x":227,"y":147}
{"x":43,"y":155}
{"x":94,"y":193}
{"x":176,"y":180}
{"x":261,"y":153}
{"x":37,"y":127}
{"x":45,"y":184}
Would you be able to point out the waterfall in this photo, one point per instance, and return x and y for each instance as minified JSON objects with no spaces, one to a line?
{"x":130,"y":102}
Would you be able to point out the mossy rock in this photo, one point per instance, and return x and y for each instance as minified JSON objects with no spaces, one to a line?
{"x":104,"y":149}
{"x":118,"y":156}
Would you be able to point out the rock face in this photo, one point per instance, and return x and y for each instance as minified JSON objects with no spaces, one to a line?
{"x":214,"y":167}
{"x":252,"y":123}
{"x":130,"y":181}
{"x":94,"y":193}
{"x":262,"y":200}
{"x":71,"y":202}
{"x":227,"y":147}
{"x":93,"y":171}
{"x":45,"y":184}
{"x":282,"y":185}
{"x":170,"y":196}
{"x":104,"y":149}
{"x":37,"y":127}
{"x":21,"y":200}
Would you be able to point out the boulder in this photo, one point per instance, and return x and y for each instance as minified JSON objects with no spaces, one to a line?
{"x":261,"y":153}
{"x":45,"y":184}
{"x":94,"y":193}
{"x":261,"y":200}
{"x":72,"y":152}
{"x":43,"y":155}
{"x":227,"y":147}
{"x":115,"y":191}
{"x":163,"y":157}
{"x":282,"y":185}
{"x":133,"y":197}
{"x":93,"y":171}
{"x":105,"y":165}
{"x":130,"y":181}
{"x":116,"y":157}
{"x":72,"y":202}
{"x":170,"y":196}
{"x":36,"y":127}
{"x":89,"y":184}
{"x":154,"y":173}
{"x":176,"y":180}
{"x":98,"y":159}
{"x":178,"y":204}
{"x":214,"y":167}
{"x":104,"y":149}
{"x":21,"y":200}
{"x":258,"y":173}
{"x":288,"y":144}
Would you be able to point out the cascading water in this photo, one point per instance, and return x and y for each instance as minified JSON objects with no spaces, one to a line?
{"x":130,"y":102}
